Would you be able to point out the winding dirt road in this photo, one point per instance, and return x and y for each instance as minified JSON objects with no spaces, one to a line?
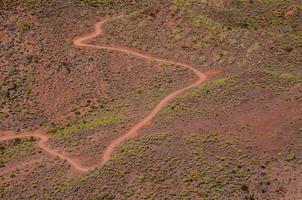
{"x":81,"y":42}
{"x":134,"y":131}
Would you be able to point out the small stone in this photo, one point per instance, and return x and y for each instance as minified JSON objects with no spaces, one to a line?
{"x":233,"y":41}
{"x":7,"y":46}
{"x":254,"y":47}
{"x":286,"y":29}
{"x":71,"y":55}
{"x":11,"y":27}
{"x":4,"y":92}
{"x":12,"y":86}
{"x":202,"y":59}
{"x":11,"y":70}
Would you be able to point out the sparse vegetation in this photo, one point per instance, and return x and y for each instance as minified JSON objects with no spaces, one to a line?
{"x":16,"y":150}
{"x":236,"y":136}
{"x":88,"y":125}
{"x":23,"y":26}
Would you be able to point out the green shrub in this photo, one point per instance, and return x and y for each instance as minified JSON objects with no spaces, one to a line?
{"x":2,"y":191}
{"x":23,"y":26}
{"x":90,"y":125}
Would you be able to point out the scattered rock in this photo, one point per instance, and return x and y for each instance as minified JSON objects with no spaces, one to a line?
{"x":11,"y":86}
{"x":244,"y":188}
{"x":233,"y":41}
{"x":4,"y":92}
{"x":254,"y":47}
{"x":286,"y":29}
{"x":11,"y":70}
{"x":202,"y":59}
{"x":11,"y":27}
{"x":7,"y":46}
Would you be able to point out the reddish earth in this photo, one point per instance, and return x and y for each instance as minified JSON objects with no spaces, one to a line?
{"x":43,"y":139}
{"x":114,"y":94}
{"x":20,"y":166}
{"x":133,"y":132}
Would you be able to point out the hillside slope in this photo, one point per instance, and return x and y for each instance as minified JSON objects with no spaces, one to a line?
{"x":235,"y":135}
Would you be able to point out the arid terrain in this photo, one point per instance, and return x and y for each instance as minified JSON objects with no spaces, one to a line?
{"x":151,"y":99}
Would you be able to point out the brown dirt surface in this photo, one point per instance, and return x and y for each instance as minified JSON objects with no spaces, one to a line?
{"x":80,"y":41}
{"x":150,"y":99}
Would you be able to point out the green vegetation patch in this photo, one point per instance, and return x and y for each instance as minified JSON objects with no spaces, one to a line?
{"x":180,"y":5}
{"x":210,"y":86}
{"x":205,"y":90}
{"x":2,"y":191}
{"x":134,"y":148}
{"x":98,"y":2}
{"x":283,"y":75}
{"x":205,"y":165}
{"x":23,"y":26}
{"x":93,"y":124}
{"x":116,"y":6}
{"x":280,"y":81}
{"x":208,"y":23}
{"x":19,"y":148}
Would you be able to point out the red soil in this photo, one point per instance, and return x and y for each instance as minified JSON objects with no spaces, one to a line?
{"x":7,"y":170}
{"x":133,"y":132}
{"x":43,"y":145}
{"x":80,"y":41}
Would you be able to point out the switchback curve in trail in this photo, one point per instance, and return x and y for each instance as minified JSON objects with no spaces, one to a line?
{"x":133,"y":132}
{"x":43,"y":144}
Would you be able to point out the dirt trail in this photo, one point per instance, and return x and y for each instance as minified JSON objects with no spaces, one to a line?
{"x":80,"y":42}
{"x":43,"y":139}
{"x":133,"y":132}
